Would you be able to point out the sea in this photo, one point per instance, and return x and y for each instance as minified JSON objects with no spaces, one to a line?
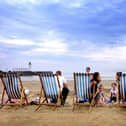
{"x":68,"y":77}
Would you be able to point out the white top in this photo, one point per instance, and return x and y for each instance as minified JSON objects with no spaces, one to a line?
{"x":114,"y":92}
{"x":62,"y":81}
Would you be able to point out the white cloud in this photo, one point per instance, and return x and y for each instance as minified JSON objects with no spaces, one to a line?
{"x":16,"y":2}
{"x":15,"y":41}
{"x":52,"y":47}
{"x":68,"y":6}
{"x":45,"y":61}
{"x":2,"y":55}
{"x":76,"y":4}
{"x":72,"y":4}
{"x":30,"y":2}
{"x":85,"y":49}
{"x":113,"y":53}
{"x":65,"y":3}
{"x":100,"y":52}
{"x":51,"y":42}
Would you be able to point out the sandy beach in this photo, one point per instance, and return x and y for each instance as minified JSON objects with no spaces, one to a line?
{"x":62,"y":116}
{"x":57,"y":40}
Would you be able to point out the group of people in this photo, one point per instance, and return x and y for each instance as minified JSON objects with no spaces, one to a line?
{"x":97,"y":94}
{"x":96,"y":89}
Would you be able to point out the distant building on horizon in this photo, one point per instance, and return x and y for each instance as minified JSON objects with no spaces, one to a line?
{"x":29,"y":68}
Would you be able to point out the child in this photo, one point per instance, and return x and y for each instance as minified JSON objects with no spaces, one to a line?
{"x":114,"y":93}
{"x":100,"y":97}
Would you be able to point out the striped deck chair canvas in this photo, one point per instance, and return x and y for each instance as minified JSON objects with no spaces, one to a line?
{"x":13,"y":88}
{"x":51,"y":89}
{"x":81,"y":87}
{"x":122,"y":89}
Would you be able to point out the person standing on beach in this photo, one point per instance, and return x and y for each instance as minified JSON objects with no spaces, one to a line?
{"x":64,"y":86}
{"x":94,"y":86}
{"x":88,"y":69}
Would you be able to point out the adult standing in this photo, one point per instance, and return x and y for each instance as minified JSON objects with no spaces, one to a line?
{"x":88,"y":69}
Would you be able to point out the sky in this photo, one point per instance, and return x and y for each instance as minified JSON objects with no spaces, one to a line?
{"x":65,"y":35}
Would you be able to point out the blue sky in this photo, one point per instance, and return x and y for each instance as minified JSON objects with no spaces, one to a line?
{"x":63,"y":34}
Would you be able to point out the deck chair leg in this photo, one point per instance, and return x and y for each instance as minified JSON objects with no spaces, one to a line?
{"x":54,"y":108}
{"x":91,"y":105}
{"x":73,"y":108}
{"x":23,"y":95}
{"x":40,"y":104}
{"x":40,"y":96}
{"x":2,"y":105}
{"x":58,"y":102}
{"x":59,"y":98}
{"x":93,"y":102}
{"x":38,"y":107}
{"x":40,"y":100}
{"x":22,"y":91}
{"x":45,"y":100}
{"x":73,"y":105}
{"x":21,"y":101}
{"x":2,"y":96}
{"x":25,"y":98}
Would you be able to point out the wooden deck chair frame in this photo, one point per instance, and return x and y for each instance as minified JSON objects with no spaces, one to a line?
{"x":45,"y":96}
{"x":75,"y":96}
{"x":121,"y":89}
{"x":22,"y":92}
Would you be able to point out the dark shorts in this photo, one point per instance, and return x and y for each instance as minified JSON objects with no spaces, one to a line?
{"x":114,"y":99}
{"x":65,"y":93}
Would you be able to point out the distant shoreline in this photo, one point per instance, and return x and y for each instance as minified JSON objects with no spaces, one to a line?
{"x":36,"y":78}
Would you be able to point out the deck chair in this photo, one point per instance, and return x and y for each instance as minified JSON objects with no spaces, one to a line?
{"x":81,"y":88}
{"x":50,"y":88}
{"x":122,"y":89}
{"x":13,"y":88}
